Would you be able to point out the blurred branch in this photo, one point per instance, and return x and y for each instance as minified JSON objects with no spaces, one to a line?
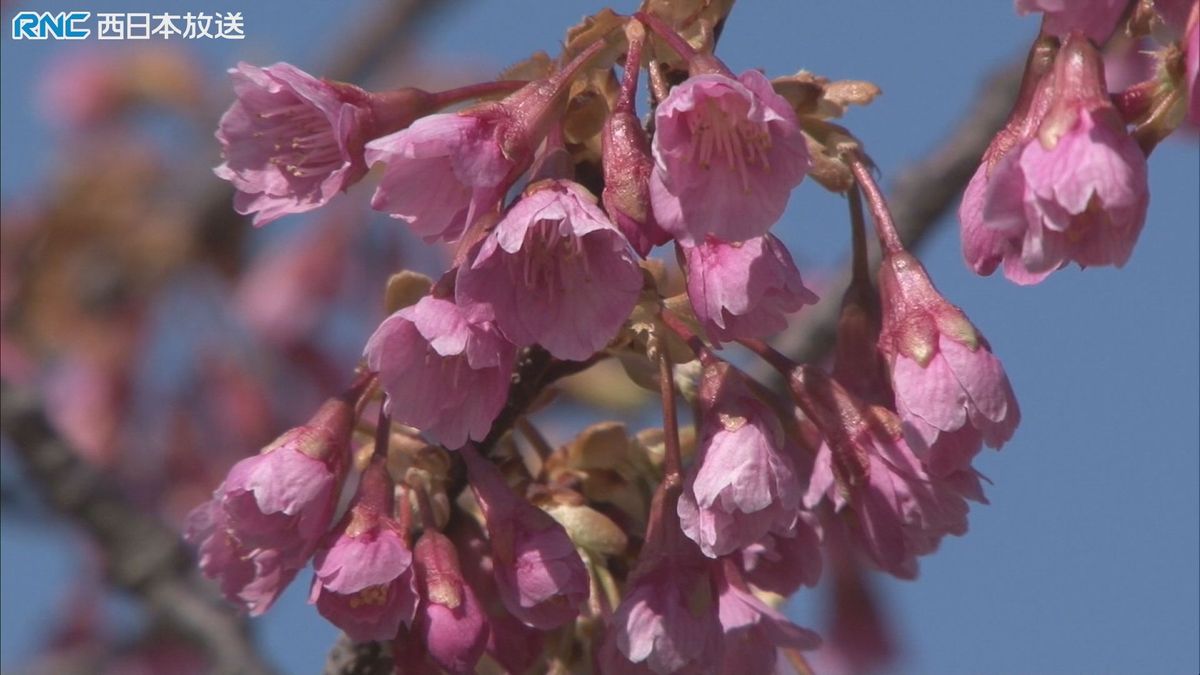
{"x":366,"y":658}
{"x":921,"y":195}
{"x":141,"y":554}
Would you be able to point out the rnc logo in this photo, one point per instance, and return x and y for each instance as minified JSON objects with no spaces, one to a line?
{"x":42,"y":25}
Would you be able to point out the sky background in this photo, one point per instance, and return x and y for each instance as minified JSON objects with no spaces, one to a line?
{"x":1087,"y":559}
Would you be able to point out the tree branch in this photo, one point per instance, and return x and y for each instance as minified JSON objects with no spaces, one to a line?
{"x":141,"y":554}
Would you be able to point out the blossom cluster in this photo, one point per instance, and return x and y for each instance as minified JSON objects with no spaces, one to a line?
{"x":661,"y":551}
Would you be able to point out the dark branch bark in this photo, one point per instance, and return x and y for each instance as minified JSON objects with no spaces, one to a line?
{"x":921,"y":195}
{"x":141,"y":554}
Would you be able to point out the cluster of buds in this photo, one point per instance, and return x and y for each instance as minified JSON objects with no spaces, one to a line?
{"x":470,"y":542}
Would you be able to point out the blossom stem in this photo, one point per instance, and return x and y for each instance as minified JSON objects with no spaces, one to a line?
{"x":535,"y":438}
{"x":636,"y":35}
{"x":685,"y":333}
{"x":773,"y":357}
{"x":442,"y":99}
{"x":672,"y":456}
{"x":889,"y":238}
{"x":425,"y":504}
{"x":363,"y":380}
{"x":383,"y":434}
{"x":404,"y":515}
{"x":698,"y":62}
{"x":673,"y":39}
{"x":860,"y":269}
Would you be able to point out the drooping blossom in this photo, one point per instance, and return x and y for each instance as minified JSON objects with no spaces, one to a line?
{"x":667,"y":621}
{"x":513,"y":644}
{"x":859,"y":637}
{"x":950,"y":390}
{"x":554,"y":271}
{"x":742,"y":484}
{"x":754,"y":632}
{"x":1095,"y":18}
{"x":539,"y":575}
{"x":445,"y":369}
{"x":444,"y":171}
{"x":985,"y":246}
{"x":363,"y":581}
{"x":291,"y":141}
{"x":744,"y":289}
{"x":266,"y":519}
{"x":447,"y":170}
{"x":866,"y":469}
{"x":252,"y":578}
{"x":1076,"y":191}
{"x":450,"y":621}
{"x":782,"y":562}
{"x":727,"y":154}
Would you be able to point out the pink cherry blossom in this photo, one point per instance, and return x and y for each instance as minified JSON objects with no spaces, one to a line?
{"x":865,"y":467}
{"x":266,"y":518}
{"x":782,"y":562}
{"x":1078,"y":191}
{"x":554,"y":271}
{"x":445,"y":171}
{"x":364,"y":583}
{"x":744,"y":289}
{"x":291,"y":141}
{"x":283,"y":499}
{"x":1095,"y":18}
{"x":442,"y":172}
{"x":445,"y":369}
{"x":727,"y":154}
{"x":950,"y":390}
{"x":539,"y":575}
{"x":449,"y":620}
{"x":753,"y":631}
{"x":987,"y":244}
{"x":252,"y":578}
{"x":667,"y":621}
{"x":741,"y":484}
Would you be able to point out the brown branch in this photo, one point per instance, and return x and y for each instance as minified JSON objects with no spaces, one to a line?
{"x":921,"y":195}
{"x":141,"y":554}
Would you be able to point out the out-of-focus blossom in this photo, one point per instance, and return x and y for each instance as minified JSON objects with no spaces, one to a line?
{"x":539,"y":575}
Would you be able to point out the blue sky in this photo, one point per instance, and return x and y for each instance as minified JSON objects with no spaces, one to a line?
{"x":1088,"y":557}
